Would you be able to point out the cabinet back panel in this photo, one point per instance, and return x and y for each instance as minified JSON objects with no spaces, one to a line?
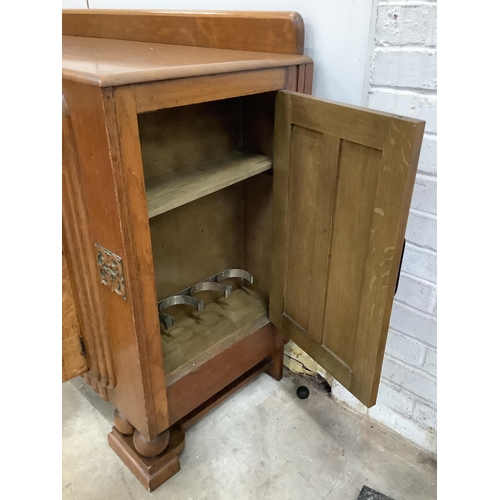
{"x":258,"y":123}
{"x":258,"y":227}
{"x":175,"y":138}
{"x":197,"y":240}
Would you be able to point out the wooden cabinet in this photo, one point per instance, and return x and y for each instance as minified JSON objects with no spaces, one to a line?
{"x":213,"y":210}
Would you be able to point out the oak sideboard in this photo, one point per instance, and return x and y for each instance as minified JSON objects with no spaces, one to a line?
{"x":213,"y":210}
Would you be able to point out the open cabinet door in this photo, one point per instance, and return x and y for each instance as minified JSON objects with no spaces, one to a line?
{"x":343,"y":180}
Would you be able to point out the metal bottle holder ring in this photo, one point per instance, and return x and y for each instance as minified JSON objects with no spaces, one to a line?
{"x":175,"y":300}
{"x":211,"y":286}
{"x":235,"y":273}
{"x":187,"y":296}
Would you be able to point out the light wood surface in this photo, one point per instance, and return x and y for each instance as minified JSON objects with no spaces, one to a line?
{"x":105,"y":62}
{"x":177,"y":188}
{"x":192,"y":417}
{"x":172,"y":93}
{"x":151,"y":472}
{"x":196,"y":338}
{"x":73,"y":360}
{"x":176,"y":138}
{"x":216,"y":374}
{"x":257,"y":212}
{"x":281,"y":32}
{"x":107,"y":141}
{"x":82,"y":270}
{"x":198,"y":240}
{"x":108,"y":82}
{"x":343,"y":178}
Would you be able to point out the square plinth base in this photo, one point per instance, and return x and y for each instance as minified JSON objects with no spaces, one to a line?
{"x":151,"y":472}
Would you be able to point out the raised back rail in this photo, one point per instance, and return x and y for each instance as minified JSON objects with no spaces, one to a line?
{"x":278,"y":32}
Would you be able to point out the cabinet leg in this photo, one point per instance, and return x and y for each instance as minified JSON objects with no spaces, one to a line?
{"x":122,"y":424}
{"x":151,"y":448}
{"x":276,"y":368}
{"x":151,"y":462}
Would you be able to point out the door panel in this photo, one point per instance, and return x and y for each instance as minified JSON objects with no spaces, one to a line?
{"x":343,"y":178}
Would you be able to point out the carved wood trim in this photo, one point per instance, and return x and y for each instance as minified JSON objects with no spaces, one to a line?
{"x":82,"y":267}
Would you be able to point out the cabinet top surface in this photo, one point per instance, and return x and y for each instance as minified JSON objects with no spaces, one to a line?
{"x":110,"y":62}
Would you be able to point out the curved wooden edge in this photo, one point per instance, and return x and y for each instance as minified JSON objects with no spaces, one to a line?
{"x":65,"y":109}
{"x":277,"y":32}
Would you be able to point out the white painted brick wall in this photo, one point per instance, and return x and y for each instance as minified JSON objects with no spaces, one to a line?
{"x":403,"y":80}
{"x":409,"y":67}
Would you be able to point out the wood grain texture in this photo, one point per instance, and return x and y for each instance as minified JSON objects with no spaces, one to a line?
{"x":82,"y":269}
{"x":280,"y":32}
{"x":200,"y":336}
{"x":73,"y":359}
{"x":358,"y":176}
{"x":107,"y":141}
{"x":152,"y":448}
{"x":173,"y":93}
{"x":192,"y":417}
{"x":151,"y":472}
{"x":308,"y":79}
{"x":177,"y":188}
{"x":197,"y":240}
{"x":199,"y":386}
{"x":343,"y":183}
{"x":107,"y":63}
{"x":257,"y":213}
{"x":129,"y":182}
{"x":311,"y":187}
{"x":328,"y":360}
{"x":176,"y":138}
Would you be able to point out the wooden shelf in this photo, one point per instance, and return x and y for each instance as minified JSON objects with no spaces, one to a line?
{"x":199,"y":337}
{"x":177,"y":188}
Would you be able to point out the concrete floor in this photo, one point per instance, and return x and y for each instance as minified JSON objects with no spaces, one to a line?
{"x":262,"y":443}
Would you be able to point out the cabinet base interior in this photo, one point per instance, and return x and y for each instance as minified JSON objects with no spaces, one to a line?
{"x":199,"y":337}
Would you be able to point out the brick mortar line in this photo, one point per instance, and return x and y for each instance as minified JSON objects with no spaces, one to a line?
{"x":421,"y":212}
{"x":420,"y":362}
{"x":408,"y":393}
{"x":430,"y":315}
{"x":400,"y":3}
{"x":410,"y":419}
{"x":421,"y":247}
{"x":421,"y":342}
{"x":418,"y":370}
{"x":417,"y":278}
{"x":394,"y":89}
{"x":407,"y":47}
{"x":423,"y":173}
{"x":416,"y":399}
{"x":426,"y":174}
{"x":410,"y":336}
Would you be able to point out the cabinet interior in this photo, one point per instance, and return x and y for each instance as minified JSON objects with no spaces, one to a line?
{"x":208,"y":175}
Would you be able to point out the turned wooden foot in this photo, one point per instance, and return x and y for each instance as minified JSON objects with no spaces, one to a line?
{"x":151,"y":472}
{"x":151,"y":448}
{"x":122,"y":424}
